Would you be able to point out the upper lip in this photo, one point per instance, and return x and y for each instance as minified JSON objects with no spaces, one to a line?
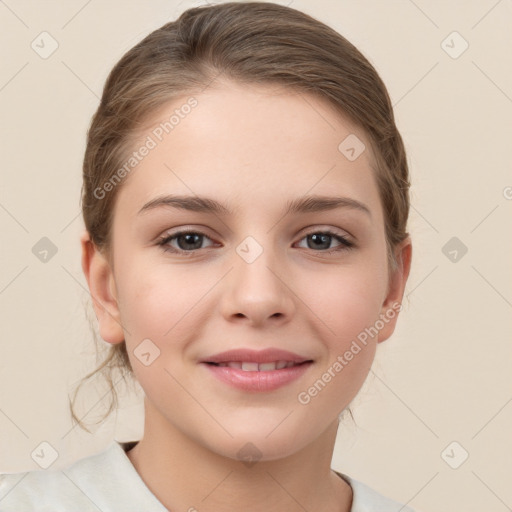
{"x":256,"y":356}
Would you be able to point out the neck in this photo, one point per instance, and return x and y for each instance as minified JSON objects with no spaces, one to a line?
{"x":184,"y":474}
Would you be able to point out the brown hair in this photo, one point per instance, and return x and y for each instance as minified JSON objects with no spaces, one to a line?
{"x":251,"y":42}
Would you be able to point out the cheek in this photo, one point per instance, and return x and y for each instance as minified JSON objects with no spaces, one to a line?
{"x":347,"y":304}
{"x":155,"y":298}
{"x":346,"y":300}
{"x":156,"y":307}
{"x":164,"y":304}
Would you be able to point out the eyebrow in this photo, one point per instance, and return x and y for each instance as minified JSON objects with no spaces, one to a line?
{"x":307,"y":204}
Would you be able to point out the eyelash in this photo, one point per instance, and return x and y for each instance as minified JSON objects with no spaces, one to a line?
{"x":162,"y":242}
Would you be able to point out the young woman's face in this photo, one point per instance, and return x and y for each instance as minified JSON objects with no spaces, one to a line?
{"x":250,"y":275}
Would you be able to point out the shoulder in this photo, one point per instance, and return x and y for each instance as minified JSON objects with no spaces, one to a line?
{"x":104,"y":481}
{"x":366,"y":499}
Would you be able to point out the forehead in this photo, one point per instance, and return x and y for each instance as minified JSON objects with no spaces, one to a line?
{"x":251,"y":146}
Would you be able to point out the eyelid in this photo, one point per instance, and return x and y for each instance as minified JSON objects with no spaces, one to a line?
{"x":185,"y":229}
{"x":314,"y":228}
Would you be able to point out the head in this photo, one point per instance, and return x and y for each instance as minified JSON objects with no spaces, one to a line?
{"x":257,"y":107}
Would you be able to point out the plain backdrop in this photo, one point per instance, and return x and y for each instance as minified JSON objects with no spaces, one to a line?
{"x":440,"y":389}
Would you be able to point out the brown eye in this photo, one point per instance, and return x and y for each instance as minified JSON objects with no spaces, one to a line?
{"x":186,"y":241}
{"x":323,"y":239}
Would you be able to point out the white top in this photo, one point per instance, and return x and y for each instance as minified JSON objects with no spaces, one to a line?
{"x":108,"y":482}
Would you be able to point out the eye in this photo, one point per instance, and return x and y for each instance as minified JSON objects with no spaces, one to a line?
{"x":187,"y":241}
{"x":323,"y":239}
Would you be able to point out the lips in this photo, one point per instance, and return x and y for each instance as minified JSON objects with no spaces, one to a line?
{"x":257,"y":371}
{"x":252,"y":360}
{"x":251,"y":366}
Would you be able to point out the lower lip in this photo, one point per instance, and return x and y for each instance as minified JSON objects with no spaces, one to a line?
{"x":258,"y":381}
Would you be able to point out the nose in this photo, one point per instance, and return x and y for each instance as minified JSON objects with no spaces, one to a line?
{"x":258,"y":292}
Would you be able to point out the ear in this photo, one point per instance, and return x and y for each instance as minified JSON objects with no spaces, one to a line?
{"x":100,"y":279}
{"x":397,"y":280}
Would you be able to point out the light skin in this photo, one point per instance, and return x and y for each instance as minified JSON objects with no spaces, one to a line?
{"x":253,"y":149}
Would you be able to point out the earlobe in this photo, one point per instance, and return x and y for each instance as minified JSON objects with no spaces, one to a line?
{"x":100,"y":278}
{"x":398,"y":279}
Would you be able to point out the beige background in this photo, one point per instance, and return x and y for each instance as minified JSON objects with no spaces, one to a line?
{"x":445,"y":374}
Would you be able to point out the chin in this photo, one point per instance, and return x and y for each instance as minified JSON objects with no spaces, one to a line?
{"x":250,"y":446}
